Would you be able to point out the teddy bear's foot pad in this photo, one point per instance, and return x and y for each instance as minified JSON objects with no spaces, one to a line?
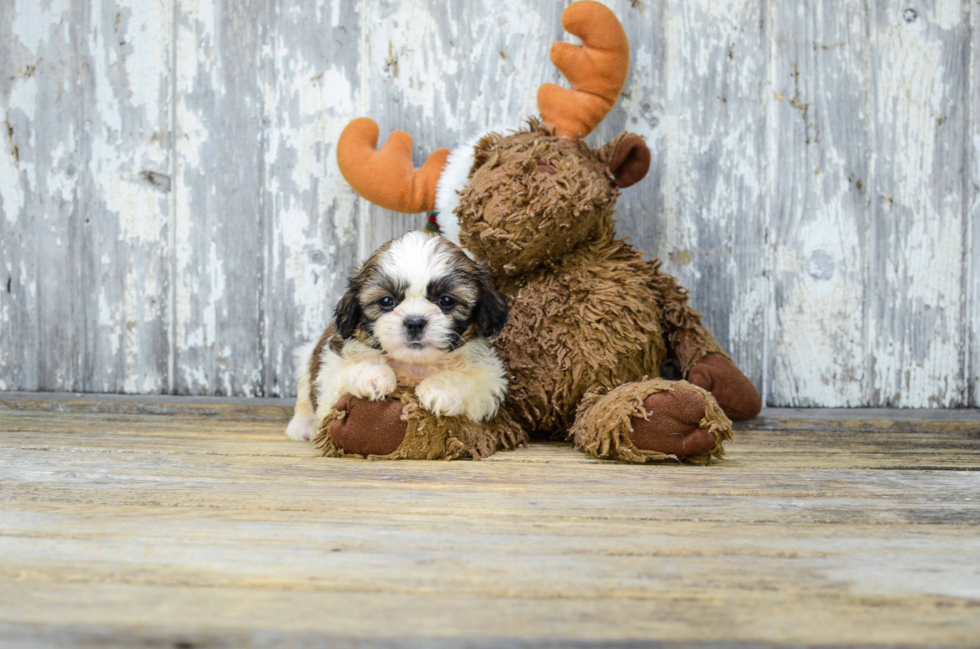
{"x":673,"y":424}
{"x":368,"y":427}
{"x":733,"y":391}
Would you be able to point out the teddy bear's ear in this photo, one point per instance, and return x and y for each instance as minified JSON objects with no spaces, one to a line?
{"x":627,"y":158}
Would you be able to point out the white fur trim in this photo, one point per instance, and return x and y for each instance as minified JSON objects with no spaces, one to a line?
{"x":455,"y":176}
{"x":454,"y":179}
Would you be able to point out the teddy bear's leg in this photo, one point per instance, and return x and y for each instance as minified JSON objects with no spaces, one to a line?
{"x":399,"y":428}
{"x":652,"y":420}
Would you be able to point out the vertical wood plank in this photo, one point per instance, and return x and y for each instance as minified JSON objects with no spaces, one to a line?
{"x":972,"y":269}
{"x":219,"y":217}
{"x":916,"y":293}
{"x":40,"y":165}
{"x":820,"y":157}
{"x":402,"y":89}
{"x":312,"y":84}
{"x":121,"y":322}
{"x":715,"y":184}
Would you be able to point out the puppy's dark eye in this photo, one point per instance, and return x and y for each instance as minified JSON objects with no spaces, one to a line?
{"x":447,"y":301}
{"x":387,"y":303}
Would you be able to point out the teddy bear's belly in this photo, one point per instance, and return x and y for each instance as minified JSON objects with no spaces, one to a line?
{"x":586,"y":325}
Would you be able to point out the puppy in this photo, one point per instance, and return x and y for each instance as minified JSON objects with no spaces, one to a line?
{"x":419,"y":313}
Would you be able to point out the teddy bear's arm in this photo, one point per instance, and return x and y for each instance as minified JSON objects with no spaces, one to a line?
{"x":698,"y":355}
{"x":688,"y":341}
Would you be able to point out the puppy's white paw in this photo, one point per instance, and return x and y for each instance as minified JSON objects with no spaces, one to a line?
{"x":301,"y":428}
{"x":441,"y":397}
{"x":373,"y":382}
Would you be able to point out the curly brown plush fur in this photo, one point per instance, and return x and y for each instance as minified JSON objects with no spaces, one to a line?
{"x":425,"y":436}
{"x":587,"y":313}
{"x":604,"y":425}
{"x":525,"y":185}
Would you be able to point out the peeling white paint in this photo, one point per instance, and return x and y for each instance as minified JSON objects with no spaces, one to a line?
{"x":818,"y":214}
{"x":404,"y":49}
{"x":710,"y":114}
{"x":643,"y":116}
{"x":107,"y":320}
{"x":946,"y":14}
{"x":137,"y":208}
{"x":21,"y":106}
{"x":34,"y":20}
{"x":12,"y":195}
{"x":918,"y":347}
{"x":146,"y":69}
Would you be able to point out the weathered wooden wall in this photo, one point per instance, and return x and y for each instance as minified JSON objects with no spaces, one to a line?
{"x":173,"y":219}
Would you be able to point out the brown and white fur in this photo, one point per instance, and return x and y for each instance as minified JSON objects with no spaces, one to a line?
{"x":418,"y":313}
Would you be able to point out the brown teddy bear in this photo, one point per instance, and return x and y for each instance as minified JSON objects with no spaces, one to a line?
{"x":591,"y":322}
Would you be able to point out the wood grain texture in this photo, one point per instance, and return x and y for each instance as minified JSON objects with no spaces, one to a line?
{"x":916,"y":301}
{"x":715,"y":180}
{"x":41,"y":160}
{"x":174,"y":220}
{"x":194,"y":526}
{"x":86,"y":196}
{"x":220,"y":229}
{"x":821,"y":140}
{"x":119,"y":323}
{"x":972,"y":220}
{"x":312,"y":238}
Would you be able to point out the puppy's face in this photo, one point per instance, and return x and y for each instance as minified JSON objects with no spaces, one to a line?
{"x":419,"y":297}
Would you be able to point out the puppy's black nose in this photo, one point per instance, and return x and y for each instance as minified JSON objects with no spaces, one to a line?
{"x":415,"y":326}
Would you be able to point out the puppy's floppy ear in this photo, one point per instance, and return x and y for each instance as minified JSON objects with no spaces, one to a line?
{"x":348,"y":313}
{"x":492,"y":309}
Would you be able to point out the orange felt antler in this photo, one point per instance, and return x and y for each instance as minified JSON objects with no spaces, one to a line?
{"x":387,"y":177}
{"x":596,"y":70}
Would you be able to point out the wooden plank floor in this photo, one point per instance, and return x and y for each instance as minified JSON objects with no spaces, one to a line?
{"x":196,"y":523}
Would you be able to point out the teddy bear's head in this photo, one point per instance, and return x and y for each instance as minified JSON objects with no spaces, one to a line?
{"x":521,"y":198}
{"x":533,"y":195}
